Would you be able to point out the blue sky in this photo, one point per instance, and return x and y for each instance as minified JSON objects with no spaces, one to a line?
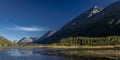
{"x":31,"y":18}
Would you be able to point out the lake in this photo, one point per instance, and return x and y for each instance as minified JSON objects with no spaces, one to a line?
{"x":25,"y":53}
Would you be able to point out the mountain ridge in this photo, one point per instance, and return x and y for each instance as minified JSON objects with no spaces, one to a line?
{"x":46,"y":35}
{"x":26,"y":40}
{"x":96,"y":22}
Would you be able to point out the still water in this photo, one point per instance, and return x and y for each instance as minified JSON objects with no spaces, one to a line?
{"x":24,"y":53}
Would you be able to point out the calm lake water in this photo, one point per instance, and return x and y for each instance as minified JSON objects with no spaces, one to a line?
{"x":24,"y":53}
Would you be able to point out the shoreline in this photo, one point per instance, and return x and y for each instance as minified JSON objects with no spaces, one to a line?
{"x":102,"y":53}
{"x":72,"y":46}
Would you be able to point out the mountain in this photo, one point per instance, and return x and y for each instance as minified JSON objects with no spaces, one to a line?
{"x":75,"y":26}
{"x":34,"y":38}
{"x":96,"y":22}
{"x":4,"y":41}
{"x":108,"y":24}
{"x":46,"y":35}
{"x":26,"y":40}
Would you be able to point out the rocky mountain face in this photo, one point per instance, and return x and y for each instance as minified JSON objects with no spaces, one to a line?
{"x":46,"y":35}
{"x":94,"y":10}
{"x":95,"y":22}
{"x":26,"y":40}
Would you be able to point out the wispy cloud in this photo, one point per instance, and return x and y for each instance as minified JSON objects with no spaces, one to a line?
{"x":22,"y":28}
{"x":29,"y":28}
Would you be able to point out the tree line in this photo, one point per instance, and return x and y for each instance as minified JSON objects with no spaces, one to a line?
{"x":110,"y":40}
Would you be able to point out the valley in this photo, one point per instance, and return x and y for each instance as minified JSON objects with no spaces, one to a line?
{"x":92,"y":35}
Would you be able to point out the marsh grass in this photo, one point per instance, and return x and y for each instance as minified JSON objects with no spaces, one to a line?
{"x":60,"y":46}
{"x":105,"y":52}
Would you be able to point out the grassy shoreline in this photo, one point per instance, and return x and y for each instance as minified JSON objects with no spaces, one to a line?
{"x":51,"y":46}
{"x":108,"y":54}
{"x":101,"y":53}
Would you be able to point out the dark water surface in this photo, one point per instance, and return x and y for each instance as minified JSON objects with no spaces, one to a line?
{"x":24,"y":53}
